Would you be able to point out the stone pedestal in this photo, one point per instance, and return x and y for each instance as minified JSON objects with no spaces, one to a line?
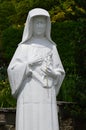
{"x":7,"y":118}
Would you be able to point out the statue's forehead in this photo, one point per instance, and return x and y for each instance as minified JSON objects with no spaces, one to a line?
{"x":38,"y":18}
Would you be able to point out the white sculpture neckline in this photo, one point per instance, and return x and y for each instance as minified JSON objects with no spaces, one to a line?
{"x":40,"y":42}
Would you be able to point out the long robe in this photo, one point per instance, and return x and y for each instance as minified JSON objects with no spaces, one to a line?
{"x":35,"y":91}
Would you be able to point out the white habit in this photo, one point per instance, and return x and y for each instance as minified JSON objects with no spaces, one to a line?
{"x":34,"y":89}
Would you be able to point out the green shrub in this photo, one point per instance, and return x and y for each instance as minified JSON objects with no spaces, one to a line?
{"x":10,"y":40}
{"x":6,"y":100}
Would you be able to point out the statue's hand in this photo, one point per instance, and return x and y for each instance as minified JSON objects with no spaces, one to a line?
{"x":48,"y":71}
{"x":37,"y":61}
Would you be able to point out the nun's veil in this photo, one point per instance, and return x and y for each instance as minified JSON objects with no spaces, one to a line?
{"x":27,"y":33}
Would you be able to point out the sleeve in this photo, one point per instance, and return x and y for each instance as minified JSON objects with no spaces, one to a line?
{"x":18,"y":70}
{"x":58,"y":70}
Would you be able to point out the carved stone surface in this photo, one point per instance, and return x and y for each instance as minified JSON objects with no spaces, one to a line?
{"x":65,"y":124}
{"x":66,"y":121}
{"x":36,"y":74}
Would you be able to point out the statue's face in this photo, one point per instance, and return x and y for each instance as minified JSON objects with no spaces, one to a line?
{"x":39,"y":25}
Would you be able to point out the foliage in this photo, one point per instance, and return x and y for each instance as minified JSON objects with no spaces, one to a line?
{"x":67,"y":10}
{"x":10,"y":39}
{"x":6,"y":100}
{"x":7,"y":10}
{"x":63,"y":34}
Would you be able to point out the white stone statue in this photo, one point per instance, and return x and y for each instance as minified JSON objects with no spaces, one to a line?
{"x":36,"y":74}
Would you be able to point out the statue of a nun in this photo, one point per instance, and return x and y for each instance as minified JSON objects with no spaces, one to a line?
{"x":36,"y":74}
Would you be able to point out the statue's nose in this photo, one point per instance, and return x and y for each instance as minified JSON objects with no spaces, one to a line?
{"x":39,"y":24}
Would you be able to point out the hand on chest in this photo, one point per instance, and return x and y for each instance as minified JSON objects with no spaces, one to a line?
{"x":39,"y":55}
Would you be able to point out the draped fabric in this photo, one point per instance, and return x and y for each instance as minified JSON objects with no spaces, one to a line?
{"x":35,"y":90}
